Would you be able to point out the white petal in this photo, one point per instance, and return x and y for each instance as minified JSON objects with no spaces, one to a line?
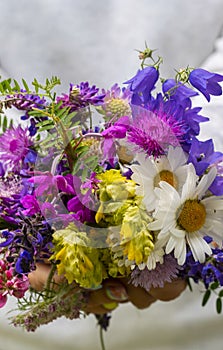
{"x":205,"y":182}
{"x":190,"y":184}
{"x":176,"y":157}
{"x":171,"y":244}
{"x":213,"y":203}
{"x":198,"y":246}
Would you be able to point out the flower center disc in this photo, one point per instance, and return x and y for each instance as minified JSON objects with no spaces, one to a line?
{"x":165,"y":175}
{"x":192,"y":216}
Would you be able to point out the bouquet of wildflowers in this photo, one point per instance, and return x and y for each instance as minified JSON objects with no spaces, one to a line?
{"x":110,"y":183}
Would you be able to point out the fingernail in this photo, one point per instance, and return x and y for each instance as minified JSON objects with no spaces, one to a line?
{"x":117,"y":293}
{"x":110,"y":306}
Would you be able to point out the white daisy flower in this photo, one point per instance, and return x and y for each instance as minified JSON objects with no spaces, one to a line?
{"x":187,"y":217}
{"x":150,"y":171}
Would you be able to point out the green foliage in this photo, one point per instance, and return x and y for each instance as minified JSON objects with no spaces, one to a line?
{"x":5,"y":123}
{"x":214,"y":288}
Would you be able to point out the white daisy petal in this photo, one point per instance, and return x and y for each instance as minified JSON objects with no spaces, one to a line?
{"x":205,"y":182}
{"x":176,"y":157}
{"x":198,"y":246}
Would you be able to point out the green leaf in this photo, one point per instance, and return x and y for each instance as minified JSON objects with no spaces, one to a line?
{"x":16,"y":87}
{"x":25,"y":85}
{"x":1,"y":88}
{"x":214,"y":285}
{"x":36,"y":85}
{"x":206,"y":297}
{"x":5,"y":124}
{"x":218,"y":305}
{"x":220,"y":294}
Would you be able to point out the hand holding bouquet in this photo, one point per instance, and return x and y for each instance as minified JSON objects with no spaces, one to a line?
{"x":111,"y":188}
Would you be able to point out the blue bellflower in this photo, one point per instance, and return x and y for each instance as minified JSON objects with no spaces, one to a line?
{"x":202,"y":155}
{"x":143,"y":83}
{"x":206,"y":82}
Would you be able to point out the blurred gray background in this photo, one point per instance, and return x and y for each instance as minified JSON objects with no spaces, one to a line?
{"x":81,"y":40}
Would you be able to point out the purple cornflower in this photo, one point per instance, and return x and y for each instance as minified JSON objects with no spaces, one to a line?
{"x":154,"y":131}
{"x":206,"y":82}
{"x":81,"y":96}
{"x":15,"y":143}
{"x":143,"y":83}
{"x":148,"y":279}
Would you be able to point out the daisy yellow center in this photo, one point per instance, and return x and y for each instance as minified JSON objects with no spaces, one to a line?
{"x":192,"y":216}
{"x":167,"y":176}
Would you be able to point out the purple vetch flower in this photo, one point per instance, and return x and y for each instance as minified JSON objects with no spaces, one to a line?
{"x":15,"y":143}
{"x":81,"y":96}
{"x":25,"y":102}
{"x":148,"y":279}
{"x":143,"y":82}
{"x":206,"y":82}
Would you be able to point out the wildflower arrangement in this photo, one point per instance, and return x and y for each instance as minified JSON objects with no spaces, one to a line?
{"x":110,"y":183}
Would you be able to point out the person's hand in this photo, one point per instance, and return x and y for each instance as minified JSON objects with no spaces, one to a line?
{"x":113,"y":291}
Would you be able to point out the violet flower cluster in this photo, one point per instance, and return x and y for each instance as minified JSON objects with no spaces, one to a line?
{"x":108,"y":184}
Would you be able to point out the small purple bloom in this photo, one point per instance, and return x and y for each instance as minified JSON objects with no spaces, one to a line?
{"x":23,"y":262}
{"x":202,"y":155}
{"x":116,"y":131}
{"x":31,"y":205}
{"x":8,"y":238}
{"x":178,"y":92}
{"x":81,"y":96}
{"x":14,"y":146}
{"x":148,"y":279}
{"x":206,"y":82}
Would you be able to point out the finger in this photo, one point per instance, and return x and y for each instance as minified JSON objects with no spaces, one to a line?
{"x":138,"y":295}
{"x":38,"y":278}
{"x":170,"y":291}
{"x":112,"y":290}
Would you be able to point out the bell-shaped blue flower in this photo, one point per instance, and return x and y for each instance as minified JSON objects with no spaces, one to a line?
{"x":206,"y":82}
{"x":144,"y":82}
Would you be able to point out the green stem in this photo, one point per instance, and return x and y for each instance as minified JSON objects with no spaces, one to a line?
{"x":102,"y":339}
{"x":50,"y":280}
